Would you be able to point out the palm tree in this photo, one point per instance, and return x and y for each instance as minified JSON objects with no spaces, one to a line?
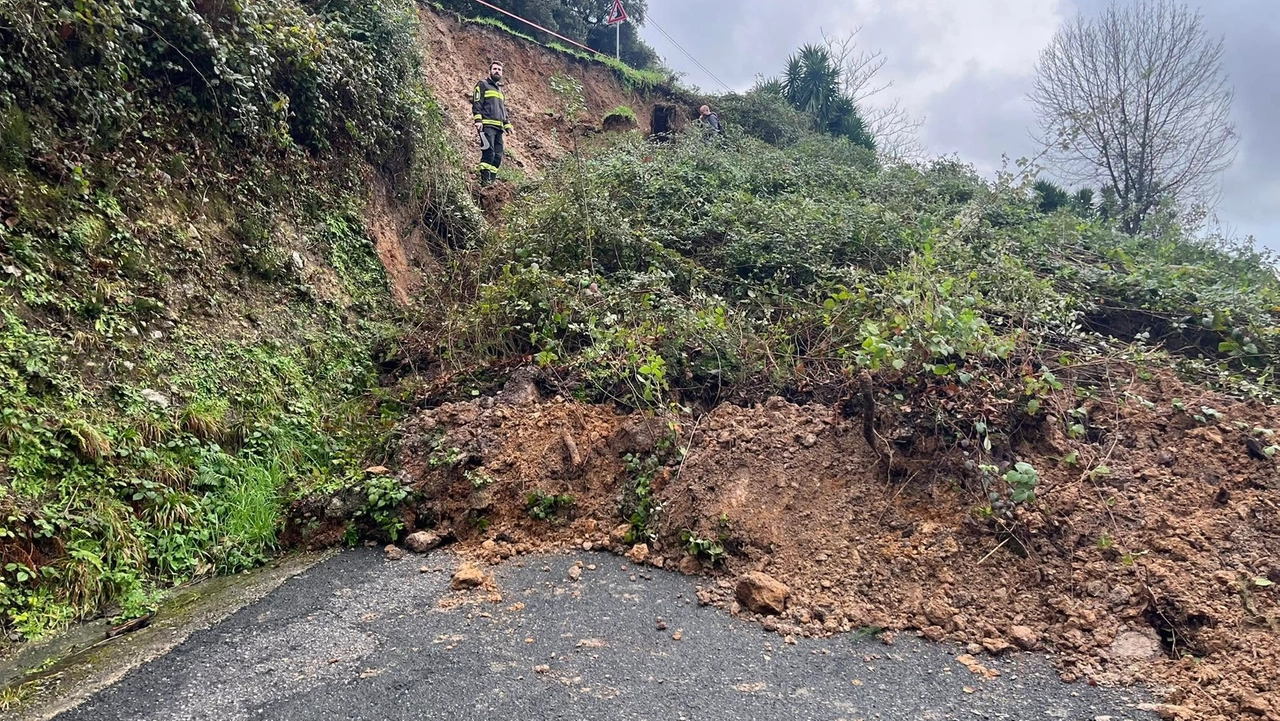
{"x":811,"y":84}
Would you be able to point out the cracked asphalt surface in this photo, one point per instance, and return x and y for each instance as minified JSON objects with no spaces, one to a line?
{"x":358,"y":637}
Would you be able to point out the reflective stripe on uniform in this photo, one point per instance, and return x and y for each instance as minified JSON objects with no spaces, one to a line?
{"x":494,"y":94}
{"x":495,"y":123}
{"x":491,"y":168}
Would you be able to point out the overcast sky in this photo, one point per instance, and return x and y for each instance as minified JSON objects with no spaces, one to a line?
{"x":966,"y":67}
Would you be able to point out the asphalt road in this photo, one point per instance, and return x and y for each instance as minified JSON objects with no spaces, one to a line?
{"x":358,"y":637}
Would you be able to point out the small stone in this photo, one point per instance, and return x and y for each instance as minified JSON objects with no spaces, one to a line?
{"x":638,"y":553}
{"x":542,"y":668}
{"x":424,"y":569}
{"x":155,"y":398}
{"x":677,"y":635}
{"x":587,"y":545}
{"x":762,"y":593}
{"x":468,"y":576}
{"x":661,"y":625}
{"x":575,"y":573}
{"x":690,"y":566}
{"x":393,"y":552}
{"x":996,"y":646}
{"x":809,"y":440}
{"x":1024,"y":637}
{"x":421,"y":541}
{"x":618,"y":535}
{"x":377,"y":470}
{"x":934,"y":633}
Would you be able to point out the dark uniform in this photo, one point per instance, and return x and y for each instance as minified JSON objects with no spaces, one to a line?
{"x":489,"y":107}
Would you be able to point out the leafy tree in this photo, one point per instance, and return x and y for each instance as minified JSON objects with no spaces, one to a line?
{"x":1137,"y":101}
{"x":765,"y":115}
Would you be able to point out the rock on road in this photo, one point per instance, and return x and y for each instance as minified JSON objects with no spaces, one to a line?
{"x":359,"y":637}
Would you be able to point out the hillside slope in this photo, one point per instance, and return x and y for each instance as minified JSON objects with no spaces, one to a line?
{"x":247,"y":302}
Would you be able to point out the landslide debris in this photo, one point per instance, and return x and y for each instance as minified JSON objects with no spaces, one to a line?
{"x":1141,"y":572}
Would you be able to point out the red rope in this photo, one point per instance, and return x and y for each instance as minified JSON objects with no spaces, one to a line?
{"x":539,"y":27}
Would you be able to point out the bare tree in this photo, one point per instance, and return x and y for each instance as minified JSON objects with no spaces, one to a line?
{"x":896,"y":132}
{"x":1137,"y":100}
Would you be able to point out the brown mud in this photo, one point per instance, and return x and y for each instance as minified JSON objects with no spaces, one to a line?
{"x":1162,"y":566}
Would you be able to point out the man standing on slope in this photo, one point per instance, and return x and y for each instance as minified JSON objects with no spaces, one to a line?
{"x":709,"y":120}
{"x":489,"y":110}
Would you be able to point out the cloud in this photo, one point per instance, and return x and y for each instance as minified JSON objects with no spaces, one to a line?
{"x":967,"y":65}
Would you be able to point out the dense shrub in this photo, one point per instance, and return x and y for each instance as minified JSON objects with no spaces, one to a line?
{"x":731,"y":268}
{"x":191,"y":311}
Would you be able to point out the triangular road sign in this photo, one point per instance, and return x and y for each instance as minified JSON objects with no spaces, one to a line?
{"x":617,"y":15}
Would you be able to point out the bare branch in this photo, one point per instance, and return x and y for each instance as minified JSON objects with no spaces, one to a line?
{"x":896,"y":131}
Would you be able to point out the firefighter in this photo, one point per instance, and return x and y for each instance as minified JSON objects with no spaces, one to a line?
{"x":489,"y":110}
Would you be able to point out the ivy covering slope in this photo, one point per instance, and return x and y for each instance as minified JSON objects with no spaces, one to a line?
{"x":190,"y":308}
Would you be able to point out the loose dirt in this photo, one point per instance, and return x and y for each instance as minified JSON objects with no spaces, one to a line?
{"x":1162,"y":568}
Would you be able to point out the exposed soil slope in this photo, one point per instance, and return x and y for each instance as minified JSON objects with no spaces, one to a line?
{"x":457,"y":54}
{"x":1158,"y":570}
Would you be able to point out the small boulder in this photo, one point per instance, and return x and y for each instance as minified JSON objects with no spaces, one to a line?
{"x":618,"y":535}
{"x":762,"y":593}
{"x":690,"y":566}
{"x":468,"y":576}
{"x":393,"y":552}
{"x":996,"y":646}
{"x":422,"y":541}
{"x":1024,"y":637}
{"x":638,"y":553}
{"x":1257,"y":705}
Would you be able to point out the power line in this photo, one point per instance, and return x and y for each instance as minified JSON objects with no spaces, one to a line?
{"x":679,"y":47}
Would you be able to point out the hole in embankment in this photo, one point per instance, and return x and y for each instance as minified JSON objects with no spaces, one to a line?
{"x":663,"y":121}
{"x":1177,"y":630}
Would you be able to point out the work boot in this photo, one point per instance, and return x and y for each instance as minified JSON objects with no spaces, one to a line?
{"x":487,"y":177}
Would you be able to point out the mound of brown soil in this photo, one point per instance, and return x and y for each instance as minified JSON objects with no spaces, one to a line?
{"x":1160,"y":569}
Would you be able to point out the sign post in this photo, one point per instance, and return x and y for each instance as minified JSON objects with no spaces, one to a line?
{"x":617,"y":16}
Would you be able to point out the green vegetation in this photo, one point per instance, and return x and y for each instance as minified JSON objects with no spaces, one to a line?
{"x":622,"y":111}
{"x":191,"y":313}
{"x":743,"y":270}
{"x":548,"y":506}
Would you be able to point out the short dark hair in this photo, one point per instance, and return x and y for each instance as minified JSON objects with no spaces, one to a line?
{"x":498,"y":63}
